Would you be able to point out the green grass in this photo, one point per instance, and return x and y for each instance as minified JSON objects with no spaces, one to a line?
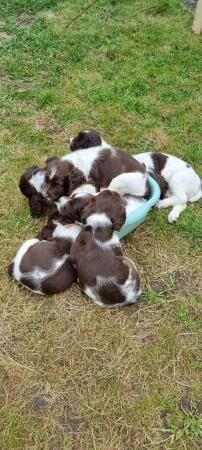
{"x":107,"y":379}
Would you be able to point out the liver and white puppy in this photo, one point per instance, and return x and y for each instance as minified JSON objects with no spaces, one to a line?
{"x":106,"y":276}
{"x":44,"y":267}
{"x":97,"y":165}
{"x":31,"y":185}
{"x":184,"y":185}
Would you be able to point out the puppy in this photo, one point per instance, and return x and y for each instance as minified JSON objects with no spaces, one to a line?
{"x":44,"y":266}
{"x":95,"y":166}
{"x":31,"y":185}
{"x":183,"y":184}
{"x":106,"y":276}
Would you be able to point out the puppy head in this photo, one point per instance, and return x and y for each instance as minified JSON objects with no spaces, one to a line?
{"x":31,"y":185}
{"x":32,"y":181}
{"x":107,"y":204}
{"x":36,"y":204}
{"x":85,"y":139}
{"x":61,"y":178}
{"x":71,"y":208}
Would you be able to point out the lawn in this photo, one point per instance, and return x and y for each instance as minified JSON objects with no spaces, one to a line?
{"x":74,"y":376}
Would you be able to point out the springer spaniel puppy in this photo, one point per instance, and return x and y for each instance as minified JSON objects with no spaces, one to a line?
{"x":31,"y":185}
{"x":106,"y":276}
{"x":44,"y":266}
{"x":97,"y":165}
{"x":183,"y":184}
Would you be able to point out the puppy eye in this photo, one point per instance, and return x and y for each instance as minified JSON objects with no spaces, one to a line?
{"x":98,"y":228}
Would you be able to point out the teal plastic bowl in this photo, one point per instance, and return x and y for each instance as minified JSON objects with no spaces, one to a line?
{"x":139,"y":215}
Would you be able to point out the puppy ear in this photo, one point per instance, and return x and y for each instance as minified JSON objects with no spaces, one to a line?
{"x":73,"y":253}
{"x":88,"y":210}
{"x":74,"y":179}
{"x":117,"y":214}
{"x":36,"y":204}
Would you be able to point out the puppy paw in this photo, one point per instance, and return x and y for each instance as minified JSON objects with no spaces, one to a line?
{"x":158,"y":204}
{"x":172,"y":217}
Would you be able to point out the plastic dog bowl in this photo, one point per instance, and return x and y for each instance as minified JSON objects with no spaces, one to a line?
{"x":139,"y":215}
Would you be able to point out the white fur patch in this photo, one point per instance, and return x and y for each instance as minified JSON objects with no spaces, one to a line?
{"x":86,"y":188}
{"x":97,"y":219}
{"x":61,"y":202}
{"x":38,"y":181}
{"x":133,"y":183}
{"x":70,"y":231}
{"x":129,"y":289}
{"x":146,"y":159}
{"x":84,"y":159}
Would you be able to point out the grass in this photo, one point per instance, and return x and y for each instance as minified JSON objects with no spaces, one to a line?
{"x":74,"y":376}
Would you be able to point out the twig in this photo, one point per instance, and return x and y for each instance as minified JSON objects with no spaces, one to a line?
{"x":81,"y":13}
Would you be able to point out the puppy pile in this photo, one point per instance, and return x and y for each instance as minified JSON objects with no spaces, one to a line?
{"x":94,"y":189}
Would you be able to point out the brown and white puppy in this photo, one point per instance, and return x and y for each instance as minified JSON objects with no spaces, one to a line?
{"x":44,"y":267}
{"x":97,"y":165}
{"x":106,"y":276}
{"x":31,"y":185}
